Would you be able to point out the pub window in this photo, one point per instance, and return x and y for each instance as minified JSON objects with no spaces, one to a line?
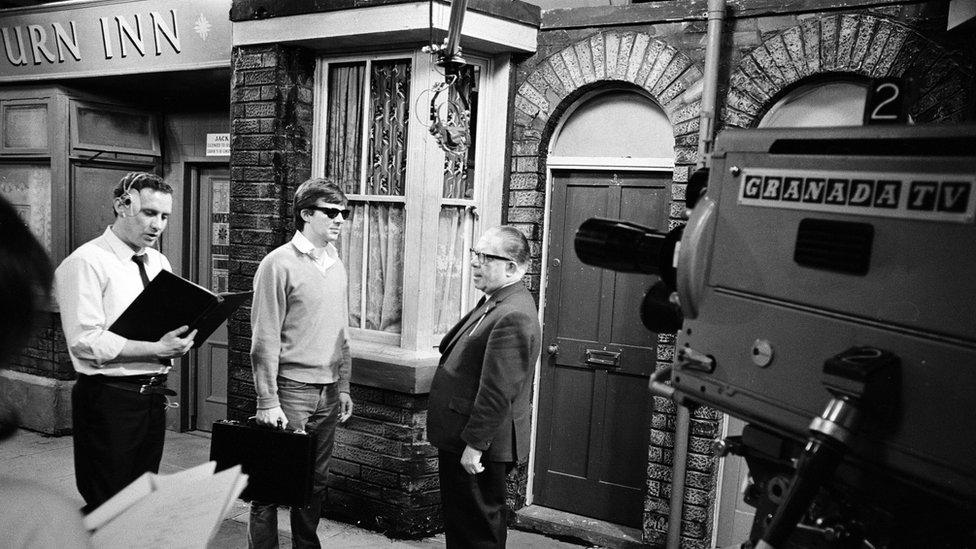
{"x":27,"y":185}
{"x":110,"y":128}
{"x":415,"y":208}
{"x":24,"y":127}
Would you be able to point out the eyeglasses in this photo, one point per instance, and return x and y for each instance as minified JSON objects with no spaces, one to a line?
{"x":332,"y":212}
{"x":483,"y":257}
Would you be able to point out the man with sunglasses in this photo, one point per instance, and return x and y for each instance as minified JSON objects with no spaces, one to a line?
{"x":479,"y":413}
{"x":299,"y":352}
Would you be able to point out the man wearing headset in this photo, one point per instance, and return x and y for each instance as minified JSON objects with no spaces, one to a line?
{"x":119,"y":402}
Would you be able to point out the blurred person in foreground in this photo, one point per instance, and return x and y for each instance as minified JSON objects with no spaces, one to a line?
{"x":31,"y":515}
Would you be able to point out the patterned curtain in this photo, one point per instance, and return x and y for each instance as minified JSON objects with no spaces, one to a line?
{"x":379,"y":223}
{"x":389,"y":92}
{"x":459,"y":167}
{"x":345,"y":133}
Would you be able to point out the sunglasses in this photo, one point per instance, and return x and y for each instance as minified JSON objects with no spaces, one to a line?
{"x":483,"y":257}
{"x":332,"y":212}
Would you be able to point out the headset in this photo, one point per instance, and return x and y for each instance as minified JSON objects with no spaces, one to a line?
{"x":128,"y":198}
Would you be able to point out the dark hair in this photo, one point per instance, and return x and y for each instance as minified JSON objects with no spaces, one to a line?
{"x":308,"y":194}
{"x":514,"y":244}
{"x":136,"y":181}
{"x":25,"y":285}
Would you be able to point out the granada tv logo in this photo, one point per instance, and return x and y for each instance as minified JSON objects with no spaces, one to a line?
{"x":921,"y":196}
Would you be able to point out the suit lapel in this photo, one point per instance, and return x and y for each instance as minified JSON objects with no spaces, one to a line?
{"x":465,"y":324}
{"x":476,"y":315}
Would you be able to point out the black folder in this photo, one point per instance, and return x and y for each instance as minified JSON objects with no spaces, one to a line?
{"x":279,"y":463}
{"x":169,"y":302}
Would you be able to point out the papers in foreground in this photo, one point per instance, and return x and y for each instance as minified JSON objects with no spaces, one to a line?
{"x":181,"y":510}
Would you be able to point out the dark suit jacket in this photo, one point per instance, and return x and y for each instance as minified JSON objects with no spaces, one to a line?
{"x":480,"y":392}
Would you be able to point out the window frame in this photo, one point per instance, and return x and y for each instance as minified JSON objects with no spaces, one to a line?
{"x":424,"y":181}
{"x":6,"y":105}
{"x":78,"y":146}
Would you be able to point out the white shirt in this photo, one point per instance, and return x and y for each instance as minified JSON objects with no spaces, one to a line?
{"x":93,"y":286}
{"x":322,"y":257}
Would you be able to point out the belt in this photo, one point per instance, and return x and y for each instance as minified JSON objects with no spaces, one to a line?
{"x":144,"y":385}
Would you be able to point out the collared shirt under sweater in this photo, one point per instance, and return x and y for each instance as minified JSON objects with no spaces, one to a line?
{"x":298,"y":320}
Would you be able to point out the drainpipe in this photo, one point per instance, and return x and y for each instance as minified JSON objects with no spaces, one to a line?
{"x":706,"y":127}
{"x":706,"y":136}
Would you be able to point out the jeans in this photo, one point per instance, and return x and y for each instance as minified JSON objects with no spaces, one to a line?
{"x":314,"y":408}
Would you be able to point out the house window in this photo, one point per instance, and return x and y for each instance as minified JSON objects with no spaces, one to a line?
{"x":818,"y":104}
{"x":366,"y":147}
{"x":416,"y":208}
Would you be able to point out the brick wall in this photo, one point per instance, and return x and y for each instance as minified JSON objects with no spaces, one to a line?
{"x":46,"y":354}
{"x":774,"y":54}
{"x":384,"y":473}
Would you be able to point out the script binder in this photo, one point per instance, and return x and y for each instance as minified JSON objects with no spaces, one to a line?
{"x":169,"y":302}
{"x":167,"y":511}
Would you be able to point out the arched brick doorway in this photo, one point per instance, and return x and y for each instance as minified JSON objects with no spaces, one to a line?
{"x":551,"y":89}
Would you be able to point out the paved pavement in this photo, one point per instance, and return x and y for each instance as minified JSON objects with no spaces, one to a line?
{"x":48,"y":461}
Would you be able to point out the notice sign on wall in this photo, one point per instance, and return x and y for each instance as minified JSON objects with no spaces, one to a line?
{"x":218,"y":144}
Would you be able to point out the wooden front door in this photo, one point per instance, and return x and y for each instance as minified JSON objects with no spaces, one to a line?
{"x":211,"y":188}
{"x":594,"y":406}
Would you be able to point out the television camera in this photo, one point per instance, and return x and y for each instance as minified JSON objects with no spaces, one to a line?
{"x":825,"y":293}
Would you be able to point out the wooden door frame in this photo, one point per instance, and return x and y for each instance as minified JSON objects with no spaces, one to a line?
{"x":186,"y":376}
{"x":566,"y":163}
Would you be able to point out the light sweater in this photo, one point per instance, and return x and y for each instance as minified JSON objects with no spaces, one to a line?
{"x":298,"y":320}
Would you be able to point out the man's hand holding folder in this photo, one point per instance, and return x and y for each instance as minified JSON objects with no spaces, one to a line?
{"x":169,"y":302}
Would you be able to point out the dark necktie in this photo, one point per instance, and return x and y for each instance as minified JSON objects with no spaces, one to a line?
{"x":140,"y":260}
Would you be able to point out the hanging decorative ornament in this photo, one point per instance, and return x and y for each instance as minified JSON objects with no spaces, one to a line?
{"x":449,"y":120}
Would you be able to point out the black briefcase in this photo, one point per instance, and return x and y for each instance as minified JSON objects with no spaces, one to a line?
{"x":279,"y":463}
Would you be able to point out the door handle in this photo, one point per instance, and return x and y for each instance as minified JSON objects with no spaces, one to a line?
{"x":553,"y":349}
{"x":603,"y":358}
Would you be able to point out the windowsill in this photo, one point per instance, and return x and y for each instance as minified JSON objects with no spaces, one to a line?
{"x":392,"y":368}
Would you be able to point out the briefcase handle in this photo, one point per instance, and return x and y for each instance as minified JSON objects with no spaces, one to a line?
{"x":253,"y":422}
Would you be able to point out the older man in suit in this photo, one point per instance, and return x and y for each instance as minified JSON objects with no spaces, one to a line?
{"x":479,"y":412}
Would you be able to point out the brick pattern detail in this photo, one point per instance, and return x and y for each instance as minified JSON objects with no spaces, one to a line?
{"x":853,"y":43}
{"x":46,"y":353}
{"x":383,"y":471}
{"x":559,"y":77}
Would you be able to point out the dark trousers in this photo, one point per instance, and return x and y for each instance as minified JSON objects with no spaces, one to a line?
{"x":118,"y":435}
{"x":473,"y":505}
{"x":313,"y":408}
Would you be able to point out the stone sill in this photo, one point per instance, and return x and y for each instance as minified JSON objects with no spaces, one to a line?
{"x":552,"y":522}
{"x":392,"y":368}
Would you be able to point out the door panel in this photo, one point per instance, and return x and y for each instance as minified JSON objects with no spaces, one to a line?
{"x":574,"y":409}
{"x":593,"y":405}
{"x":212,"y":186}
